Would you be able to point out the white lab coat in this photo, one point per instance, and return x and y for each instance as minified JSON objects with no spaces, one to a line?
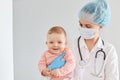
{"x":110,"y":68}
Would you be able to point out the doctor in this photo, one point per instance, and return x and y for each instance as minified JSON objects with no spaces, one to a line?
{"x":96,"y":59}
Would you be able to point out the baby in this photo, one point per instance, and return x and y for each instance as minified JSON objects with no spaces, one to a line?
{"x":57,"y":62}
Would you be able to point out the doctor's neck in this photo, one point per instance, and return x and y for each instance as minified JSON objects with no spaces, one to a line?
{"x":91,"y":42}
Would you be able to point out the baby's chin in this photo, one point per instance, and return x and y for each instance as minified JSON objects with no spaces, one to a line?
{"x":55,"y":52}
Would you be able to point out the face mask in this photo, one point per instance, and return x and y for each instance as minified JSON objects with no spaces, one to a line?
{"x":87,"y":33}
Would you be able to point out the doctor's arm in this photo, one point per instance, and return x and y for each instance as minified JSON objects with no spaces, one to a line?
{"x":111,"y":66}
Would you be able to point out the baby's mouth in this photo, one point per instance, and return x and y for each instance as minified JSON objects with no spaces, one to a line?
{"x":55,"y":49}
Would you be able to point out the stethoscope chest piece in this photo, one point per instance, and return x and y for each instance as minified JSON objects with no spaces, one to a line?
{"x":83,"y":63}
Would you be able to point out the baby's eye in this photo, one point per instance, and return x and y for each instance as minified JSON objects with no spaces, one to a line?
{"x":51,"y":42}
{"x":59,"y":42}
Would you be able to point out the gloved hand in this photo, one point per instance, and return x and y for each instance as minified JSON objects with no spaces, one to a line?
{"x":57,"y":63}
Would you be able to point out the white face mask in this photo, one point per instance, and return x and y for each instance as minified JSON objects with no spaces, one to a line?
{"x":87,"y":33}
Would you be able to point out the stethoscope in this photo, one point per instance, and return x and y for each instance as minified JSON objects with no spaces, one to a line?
{"x":83,"y":62}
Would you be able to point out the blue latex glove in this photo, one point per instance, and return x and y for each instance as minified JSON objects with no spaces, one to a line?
{"x":57,"y":63}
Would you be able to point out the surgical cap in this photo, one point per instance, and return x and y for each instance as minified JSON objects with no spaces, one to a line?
{"x":97,"y":12}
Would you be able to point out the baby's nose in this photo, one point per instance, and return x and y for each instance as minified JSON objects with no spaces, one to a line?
{"x":55,"y":44}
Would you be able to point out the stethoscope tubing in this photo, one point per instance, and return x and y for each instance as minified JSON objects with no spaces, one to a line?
{"x":79,"y":48}
{"x":101,"y":50}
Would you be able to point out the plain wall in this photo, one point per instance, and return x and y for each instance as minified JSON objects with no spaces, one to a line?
{"x":33,"y":18}
{"x":6,"y":40}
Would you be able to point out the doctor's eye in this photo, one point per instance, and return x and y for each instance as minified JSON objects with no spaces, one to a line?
{"x":88,"y":26}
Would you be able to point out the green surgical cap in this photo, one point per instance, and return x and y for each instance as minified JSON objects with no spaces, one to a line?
{"x":97,"y":12}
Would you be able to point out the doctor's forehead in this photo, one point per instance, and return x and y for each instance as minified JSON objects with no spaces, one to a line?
{"x":88,"y":24}
{"x":85,"y":22}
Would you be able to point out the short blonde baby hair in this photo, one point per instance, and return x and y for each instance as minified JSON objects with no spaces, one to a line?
{"x":57,"y":29}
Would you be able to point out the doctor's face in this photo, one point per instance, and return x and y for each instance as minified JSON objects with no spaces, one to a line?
{"x":56,"y":43}
{"x":89,"y":29}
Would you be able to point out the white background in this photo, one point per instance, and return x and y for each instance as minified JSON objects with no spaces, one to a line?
{"x":6,"y":40}
{"x":33,"y":18}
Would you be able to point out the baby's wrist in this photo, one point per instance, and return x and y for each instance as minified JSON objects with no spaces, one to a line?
{"x":59,"y":73}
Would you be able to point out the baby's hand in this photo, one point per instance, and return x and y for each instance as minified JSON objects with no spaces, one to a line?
{"x":55,"y":73}
{"x":46,"y":72}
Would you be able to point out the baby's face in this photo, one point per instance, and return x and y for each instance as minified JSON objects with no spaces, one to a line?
{"x":56,"y":43}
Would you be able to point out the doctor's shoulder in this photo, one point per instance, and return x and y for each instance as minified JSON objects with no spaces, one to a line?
{"x":111,"y":62}
{"x":110,"y":50}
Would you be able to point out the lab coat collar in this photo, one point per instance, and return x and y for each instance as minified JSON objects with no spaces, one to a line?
{"x":99,"y":43}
